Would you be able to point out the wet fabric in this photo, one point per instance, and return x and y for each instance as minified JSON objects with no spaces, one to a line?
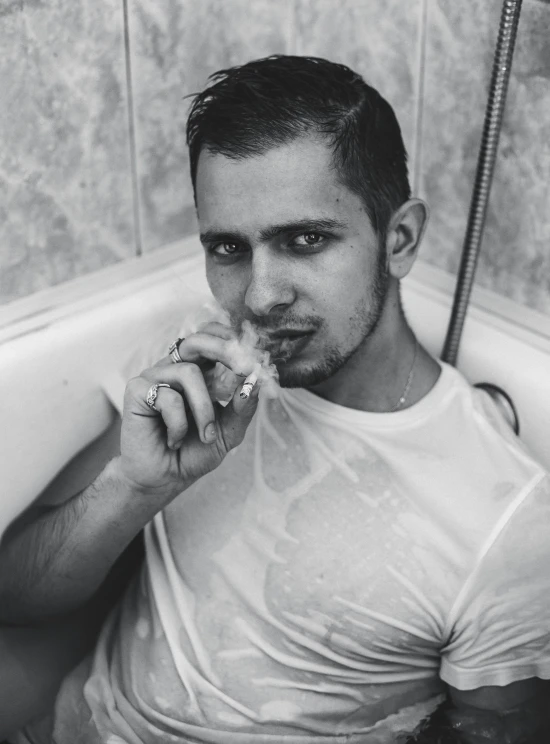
{"x":327,"y":579}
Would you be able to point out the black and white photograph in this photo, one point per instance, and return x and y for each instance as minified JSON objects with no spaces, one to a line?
{"x":274,"y":371}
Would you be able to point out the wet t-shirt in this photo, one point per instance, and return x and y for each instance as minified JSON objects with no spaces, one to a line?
{"x":326,"y":580}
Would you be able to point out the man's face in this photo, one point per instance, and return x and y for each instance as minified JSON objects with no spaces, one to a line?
{"x":292,"y":250}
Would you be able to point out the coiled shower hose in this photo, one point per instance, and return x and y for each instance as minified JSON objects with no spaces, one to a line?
{"x":498,"y":89}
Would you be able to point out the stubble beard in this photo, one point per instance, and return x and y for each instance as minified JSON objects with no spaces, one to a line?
{"x":366,"y":319}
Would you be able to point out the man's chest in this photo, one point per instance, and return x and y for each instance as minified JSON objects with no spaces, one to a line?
{"x":320,"y":568}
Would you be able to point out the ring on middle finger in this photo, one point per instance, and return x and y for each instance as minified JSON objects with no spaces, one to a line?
{"x":173,"y":351}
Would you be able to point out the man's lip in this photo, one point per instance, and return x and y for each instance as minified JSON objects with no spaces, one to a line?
{"x":287,"y":345}
{"x":288,"y":333}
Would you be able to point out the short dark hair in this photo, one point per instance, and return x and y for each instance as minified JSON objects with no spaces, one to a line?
{"x":252,"y":108}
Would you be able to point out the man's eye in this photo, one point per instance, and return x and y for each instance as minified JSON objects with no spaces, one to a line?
{"x":307,"y":240}
{"x":225,"y":249}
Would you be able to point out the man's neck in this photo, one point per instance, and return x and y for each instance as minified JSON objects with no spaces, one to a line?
{"x":376,"y":377}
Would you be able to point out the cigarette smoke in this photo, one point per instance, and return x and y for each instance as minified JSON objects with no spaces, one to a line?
{"x":245,"y":352}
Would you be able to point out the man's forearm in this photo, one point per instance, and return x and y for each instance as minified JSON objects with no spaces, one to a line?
{"x":56,"y":563}
{"x":35,"y":659}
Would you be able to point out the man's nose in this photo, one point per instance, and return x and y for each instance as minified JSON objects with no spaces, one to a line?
{"x":270,"y":284}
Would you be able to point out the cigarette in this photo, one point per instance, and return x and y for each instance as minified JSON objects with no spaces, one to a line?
{"x":248,"y":385}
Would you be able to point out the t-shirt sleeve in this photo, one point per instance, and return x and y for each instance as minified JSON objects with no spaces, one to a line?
{"x":499,"y":627}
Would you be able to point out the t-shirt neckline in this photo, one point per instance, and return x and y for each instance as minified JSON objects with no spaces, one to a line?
{"x":386,"y":420}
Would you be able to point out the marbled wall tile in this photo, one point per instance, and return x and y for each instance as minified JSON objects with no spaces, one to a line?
{"x":175,"y":45}
{"x":515,"y":258}
{"x":377,"y":38}
{"x":65,"y":176}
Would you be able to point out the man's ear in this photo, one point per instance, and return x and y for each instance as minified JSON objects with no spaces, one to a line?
{"x":404,"y":235}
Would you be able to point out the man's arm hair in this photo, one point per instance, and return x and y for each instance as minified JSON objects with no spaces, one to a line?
{"x":35,"y":659}
{"x":54,"y":560}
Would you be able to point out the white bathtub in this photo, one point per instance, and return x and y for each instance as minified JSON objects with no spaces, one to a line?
{"x":63,"y":350}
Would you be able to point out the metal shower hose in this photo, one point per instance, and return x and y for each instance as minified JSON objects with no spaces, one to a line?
{"x":498,"y":89}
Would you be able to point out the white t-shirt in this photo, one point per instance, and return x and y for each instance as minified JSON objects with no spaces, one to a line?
{"x":325,"y":580}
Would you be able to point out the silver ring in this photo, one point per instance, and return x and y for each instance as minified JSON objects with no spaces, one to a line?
{"x":152,"y":394}
{"x":173,"y":351}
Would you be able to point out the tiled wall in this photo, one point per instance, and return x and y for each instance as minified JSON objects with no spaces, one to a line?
{"x":65,"y":178}
{"x":515,"y":260}
{"x":174,"y":46}
{"x":93,"y":165}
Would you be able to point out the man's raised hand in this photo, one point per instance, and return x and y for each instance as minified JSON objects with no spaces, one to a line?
{"x":166,"y":450}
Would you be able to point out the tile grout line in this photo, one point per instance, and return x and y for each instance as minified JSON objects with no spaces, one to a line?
{"x":419,"y":113}
{"x":132,"y":131}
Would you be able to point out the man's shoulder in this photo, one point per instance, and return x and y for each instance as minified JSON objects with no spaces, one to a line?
{"x":488,"y":414}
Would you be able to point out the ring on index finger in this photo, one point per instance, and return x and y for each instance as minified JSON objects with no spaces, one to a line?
{"x":152,"y":394}
{"x":173,"y":351}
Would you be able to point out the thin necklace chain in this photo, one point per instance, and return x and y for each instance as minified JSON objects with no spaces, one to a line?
{"x":405,"y":392}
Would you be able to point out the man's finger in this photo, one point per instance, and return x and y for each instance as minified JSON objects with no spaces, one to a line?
{"x":203,"y":347}
{"x":171,"y":407}
{"x":187,"y":379}
{"x":213,"y":328}
{"x":236,"y":417}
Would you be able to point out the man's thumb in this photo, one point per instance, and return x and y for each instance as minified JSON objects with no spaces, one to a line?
{"x":237,"y":415}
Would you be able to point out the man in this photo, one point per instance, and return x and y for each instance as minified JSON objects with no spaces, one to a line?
{"x":377,"y":536}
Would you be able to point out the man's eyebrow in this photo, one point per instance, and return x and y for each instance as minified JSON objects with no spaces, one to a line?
{"x":222,"y":236}
{"x":273,"y":231}
{"x":306,"y":225}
